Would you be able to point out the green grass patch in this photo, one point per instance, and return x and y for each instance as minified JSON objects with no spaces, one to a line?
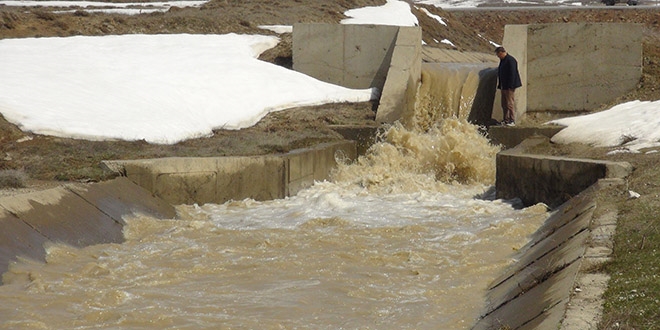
{"x":632,"y":300}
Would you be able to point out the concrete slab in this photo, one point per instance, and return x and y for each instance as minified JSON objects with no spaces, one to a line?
{"x":566,"y":213}
{"x":522,"y":279}
{"x":121,"y":196}
{"x":18,"y":239}
{"x":62,"y":216}
{"x":540,"y":300}
{"x":547,"y":320}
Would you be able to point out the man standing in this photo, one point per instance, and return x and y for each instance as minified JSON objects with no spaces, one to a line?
{"x":508,"y":80}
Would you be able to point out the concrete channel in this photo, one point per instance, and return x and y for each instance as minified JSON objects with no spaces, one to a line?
{"x":545,"y":289}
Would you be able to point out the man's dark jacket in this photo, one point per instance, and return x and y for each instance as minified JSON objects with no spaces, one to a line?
{"x":507,"y":73}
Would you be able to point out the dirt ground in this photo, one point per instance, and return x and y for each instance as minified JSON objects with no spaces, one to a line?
{"x":43,"y":158}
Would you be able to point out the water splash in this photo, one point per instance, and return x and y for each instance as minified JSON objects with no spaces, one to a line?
{"x":451,"y":152}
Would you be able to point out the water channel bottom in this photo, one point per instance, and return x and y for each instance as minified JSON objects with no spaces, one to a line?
{"x":406,"y":238}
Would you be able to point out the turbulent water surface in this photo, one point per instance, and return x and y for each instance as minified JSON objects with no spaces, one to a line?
{"x":406,"y":238}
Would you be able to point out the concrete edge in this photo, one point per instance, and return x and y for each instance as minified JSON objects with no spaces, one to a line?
{"x":550,"y":179}
{"x":201,"y":180}
{"x":403,"y":76}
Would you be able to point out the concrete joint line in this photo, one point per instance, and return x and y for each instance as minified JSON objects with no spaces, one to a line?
{"x":27,"y":223}
{"x":94,"y":205}
{"x":545,"y":277}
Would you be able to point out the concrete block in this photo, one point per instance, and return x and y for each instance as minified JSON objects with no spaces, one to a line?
{"x":328,"y":155}
{"x":219,"y":179}
{"x":301,"y":164}
{"x":139,"y":171}
{"x":364,"y":137}
{"x":62,"y":216}
{"x":509,"y":137}
{"x":367,"y":54}
{"x":315,"y":164}
{"x":18,"y":239}
{"x":395,"y":100}
{"x":363,"y":56}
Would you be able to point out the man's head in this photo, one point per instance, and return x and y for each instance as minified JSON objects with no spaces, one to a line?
{"x":500,"y":52}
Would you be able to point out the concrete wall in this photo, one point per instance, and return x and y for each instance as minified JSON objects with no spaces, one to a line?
{"x":219,"y":179}
{"x":403,"y":77}
{"x":574,"y":66}
{"x":538,"y":291}
{"x":548,"y":179}
{"x":354,"y":56}
{"x":76,"y":214}
{"x":363,"y":56}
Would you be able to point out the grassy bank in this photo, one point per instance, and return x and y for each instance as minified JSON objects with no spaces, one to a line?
{"x":632,"y":300}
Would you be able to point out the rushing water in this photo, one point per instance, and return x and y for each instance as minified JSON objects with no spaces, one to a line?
{"x":406,"y":238}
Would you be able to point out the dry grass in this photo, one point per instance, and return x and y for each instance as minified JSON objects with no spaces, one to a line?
{"x":12,"y":179}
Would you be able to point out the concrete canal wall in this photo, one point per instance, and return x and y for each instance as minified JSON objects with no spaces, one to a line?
{"x":87,"y":214}
{"x":74,"y":214}
{"x":538,"y":292}
{"x":555,"y":283}
{"x":219,"y":179}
